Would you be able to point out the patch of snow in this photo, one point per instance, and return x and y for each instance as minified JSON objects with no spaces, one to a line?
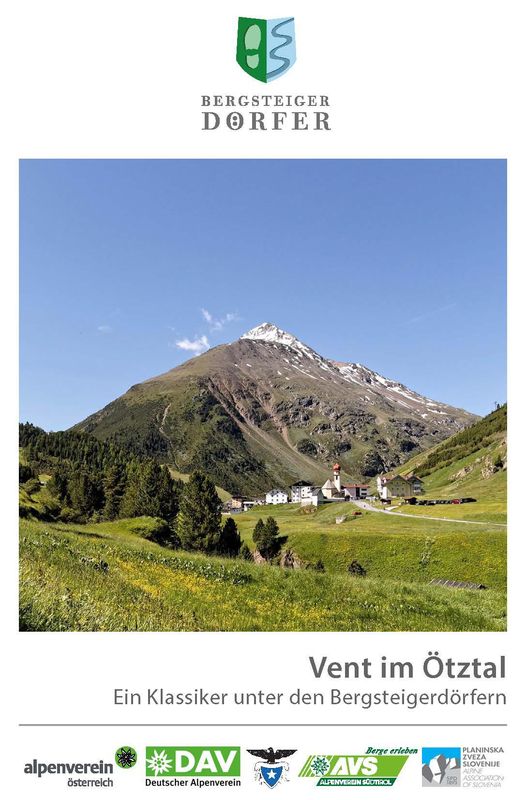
{"x":404,"y":392}
{"x":391,"y":391}
{"x":267,"y":332}
{"x":363,"y":376}
{"x":303,"y":371}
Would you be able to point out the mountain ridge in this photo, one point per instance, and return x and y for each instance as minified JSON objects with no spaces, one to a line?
{"x":268,"y":409}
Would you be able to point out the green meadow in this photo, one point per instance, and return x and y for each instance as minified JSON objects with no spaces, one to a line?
{"x":487,"y":511}
{"x":113,"y":576}
{"x":109,"y":577}
{"x":389,"y":547}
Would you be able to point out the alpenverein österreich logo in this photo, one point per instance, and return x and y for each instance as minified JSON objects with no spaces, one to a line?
{"x":126,"y":757}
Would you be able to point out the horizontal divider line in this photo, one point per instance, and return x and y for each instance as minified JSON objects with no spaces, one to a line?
{"x":262,"y":725}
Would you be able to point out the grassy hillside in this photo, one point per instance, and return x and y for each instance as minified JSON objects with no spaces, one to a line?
{"x":388,"y":546}
{"x":490,"y":505}
{"x":465,"y":459}
{"x":36,"y":500}
{"x":104,"y":577}
{"x":470,"y":464}
{"x":184,"y":476}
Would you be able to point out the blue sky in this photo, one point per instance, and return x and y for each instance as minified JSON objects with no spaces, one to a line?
{"x":128,"y":268}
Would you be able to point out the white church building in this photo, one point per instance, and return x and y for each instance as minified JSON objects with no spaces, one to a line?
{"x":333,"y":489}
{"x":305,"y":493}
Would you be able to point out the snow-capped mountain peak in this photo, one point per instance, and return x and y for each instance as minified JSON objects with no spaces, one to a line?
{"x":268,"y":332}
{"x":348,"y":372}
{"x":267,"y":409}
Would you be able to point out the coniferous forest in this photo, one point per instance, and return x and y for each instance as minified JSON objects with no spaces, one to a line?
{"x":89,"y":480}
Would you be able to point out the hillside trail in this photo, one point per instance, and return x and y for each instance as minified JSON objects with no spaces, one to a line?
{"x":391,"y":512}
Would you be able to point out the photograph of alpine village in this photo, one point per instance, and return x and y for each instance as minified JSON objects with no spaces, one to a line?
{"x":262,"y":395}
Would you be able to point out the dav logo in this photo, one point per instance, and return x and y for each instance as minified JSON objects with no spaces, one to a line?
{"x":271,"y":768}
{"x":193,"y":761}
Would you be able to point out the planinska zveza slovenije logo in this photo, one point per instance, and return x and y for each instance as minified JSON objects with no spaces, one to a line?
{"x":441,"y":766}
{"x":266,"y":48}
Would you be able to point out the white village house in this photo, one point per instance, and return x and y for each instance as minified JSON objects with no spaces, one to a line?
{"x":398,"y":486}
{"x":301,"y":490}
{"x":276,"y":497}
{"x":238,"y":501}
{"x":317,"y":497}
{"x":356,"y":491}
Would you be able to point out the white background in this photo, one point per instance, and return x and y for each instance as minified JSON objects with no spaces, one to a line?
{"x":119,"y":79}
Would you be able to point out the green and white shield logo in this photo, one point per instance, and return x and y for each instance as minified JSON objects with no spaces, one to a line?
{"x":266,"y":48}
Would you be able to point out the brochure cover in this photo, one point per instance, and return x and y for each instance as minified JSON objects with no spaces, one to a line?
{"x":263,"y":426}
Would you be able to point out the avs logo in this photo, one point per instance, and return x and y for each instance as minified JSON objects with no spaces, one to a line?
{"x":193,"y":762}
{"x":271,"y":769}
{"x":441,"y":766}
{"x":357,"y":770}
{"x":266,"y":48}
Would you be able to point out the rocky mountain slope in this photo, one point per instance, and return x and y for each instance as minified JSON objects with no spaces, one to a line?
{"x":267,"y":409}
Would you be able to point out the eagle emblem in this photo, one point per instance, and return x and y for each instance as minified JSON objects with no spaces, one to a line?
{"x":271,"y":768}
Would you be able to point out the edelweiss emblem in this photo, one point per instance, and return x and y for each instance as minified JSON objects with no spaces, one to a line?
{"x":159,"y":763}
{"x":126,"y":757}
